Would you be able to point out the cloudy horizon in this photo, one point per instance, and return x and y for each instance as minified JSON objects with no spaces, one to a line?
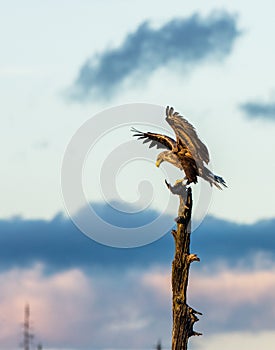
{"x":62,"y":275}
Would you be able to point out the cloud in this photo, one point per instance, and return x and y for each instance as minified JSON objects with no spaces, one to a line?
{"x":79,"y":290}
{"x":59,"y":245}
{"x":223,"y":294}
{"x":57,"y":303}
{"x":71,"y":309}
{"x":130,"y":309}
{"x":218,"y":240}
{"x":236,"y":340}
{"x":259,"y":110}
{"x":182,"y":41}
{"x":231,"y":287}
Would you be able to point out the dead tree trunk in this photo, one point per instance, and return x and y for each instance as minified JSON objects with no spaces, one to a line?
{"x":184,"y":316}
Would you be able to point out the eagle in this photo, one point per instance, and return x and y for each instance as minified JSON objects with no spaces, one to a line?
{"x":187,"y":152}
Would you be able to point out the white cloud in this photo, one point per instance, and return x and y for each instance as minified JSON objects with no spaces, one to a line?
{"x":235,"y":340}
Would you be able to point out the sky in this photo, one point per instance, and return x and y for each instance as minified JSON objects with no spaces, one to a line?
{"x":79,"y":74}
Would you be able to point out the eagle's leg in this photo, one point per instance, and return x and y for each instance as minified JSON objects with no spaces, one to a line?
{"x":181,"y":181}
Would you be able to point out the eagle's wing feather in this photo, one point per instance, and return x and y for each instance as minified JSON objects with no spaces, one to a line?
{"x":159,"y":140}
{"x":187,"y":134}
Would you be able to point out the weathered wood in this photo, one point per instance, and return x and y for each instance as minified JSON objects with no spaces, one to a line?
{"x":184,"y":316}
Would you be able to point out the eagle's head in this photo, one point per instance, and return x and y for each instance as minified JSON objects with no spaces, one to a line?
{"x":159,"y":160}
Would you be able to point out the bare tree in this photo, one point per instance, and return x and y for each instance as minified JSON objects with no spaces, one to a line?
{"x":184,"y":316}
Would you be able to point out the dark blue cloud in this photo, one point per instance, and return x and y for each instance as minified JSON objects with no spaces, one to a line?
{"x":218,"y":239}
{"x":259,"y":110}
{"x":182,"y":41}
{"x":60,"y":245}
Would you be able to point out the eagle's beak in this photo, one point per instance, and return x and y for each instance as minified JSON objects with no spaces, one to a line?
{"x":158,"y":163}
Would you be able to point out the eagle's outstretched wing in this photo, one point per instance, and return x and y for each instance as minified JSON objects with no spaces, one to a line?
{"x":159,"y":140}
{"x":187,"y":134}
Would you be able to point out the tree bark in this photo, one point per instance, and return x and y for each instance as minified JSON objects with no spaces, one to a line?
{"x":184,"y":316}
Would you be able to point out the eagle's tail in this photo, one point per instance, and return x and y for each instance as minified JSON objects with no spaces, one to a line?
{"x":218,"y":180}
{"x":213,"y":179}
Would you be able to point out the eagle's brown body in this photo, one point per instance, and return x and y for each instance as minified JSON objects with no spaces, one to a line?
{"x":187,"y":152}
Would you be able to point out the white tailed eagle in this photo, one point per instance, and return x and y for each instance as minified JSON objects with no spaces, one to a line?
{"x":187,"y":153}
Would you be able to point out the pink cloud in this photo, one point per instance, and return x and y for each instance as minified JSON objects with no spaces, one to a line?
{"x":232,"y":287}
{"x":159,"y":281}
{"x":71,"y":308}
{"x":57,"y":302}
{"x":223,"y":296}
{"x":235,"y":287}
{"x":74,"y":309}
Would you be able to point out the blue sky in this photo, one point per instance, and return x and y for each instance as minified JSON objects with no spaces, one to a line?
{"x":44,"y":53}
{"x":63,"y":63}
